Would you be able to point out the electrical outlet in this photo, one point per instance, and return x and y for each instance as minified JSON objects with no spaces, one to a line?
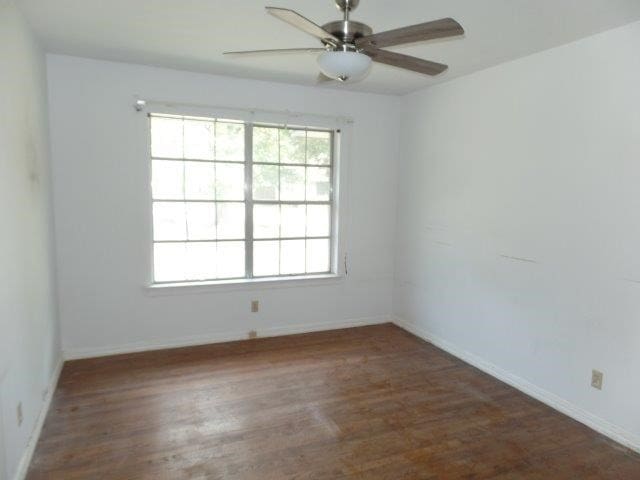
{"x":19,"y":414}
{"x":255,"y":306}
{"x":596,"y":379}
{"x":252,"y":334}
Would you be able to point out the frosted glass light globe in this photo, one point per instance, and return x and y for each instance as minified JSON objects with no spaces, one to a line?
{"x":344,"y":66}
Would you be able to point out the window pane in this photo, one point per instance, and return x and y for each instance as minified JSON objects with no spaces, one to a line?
{"x":169,"y":262}
{"x":230,"y":220}
{"x":292,"y":257}
{"x":265,"y":182}
{"x":292,"y":183}
{"x":198,"y":139}
{"x":229,"y":181}
{"x":200,"y":261}
{"x":200,"y":181}
{"x":292,"y":146}
{"x":318,"y":220}
{"x":317,"y":256}
{"x":318,"y":183}
{"x":169,"y":221}
{"x":201,"y":221}
{"x":167,"y":180}
{"x":293,"y":221}
{"x":166,"y":137}
{"x":265,"y":145}
{"x":266,"y":258}
{"x":266,"y":221}
{"x":208,"y":199}
{"x":319,"y":148}
{"x":230,"y":141}
{"x":230,"y":260}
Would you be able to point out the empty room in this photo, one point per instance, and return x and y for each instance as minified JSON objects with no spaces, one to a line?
{"x":320,"y":239}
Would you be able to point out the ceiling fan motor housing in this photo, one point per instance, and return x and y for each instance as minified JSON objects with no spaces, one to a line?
{"x":348,"y":31}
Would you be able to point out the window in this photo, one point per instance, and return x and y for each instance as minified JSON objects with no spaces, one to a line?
{"x":235,"y":200}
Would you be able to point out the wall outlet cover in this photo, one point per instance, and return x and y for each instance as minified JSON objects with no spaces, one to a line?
{"x":596,"y":379}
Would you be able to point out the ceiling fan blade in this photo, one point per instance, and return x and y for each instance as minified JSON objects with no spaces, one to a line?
{"x":443,"y":28}
{"x":277,"y":50}
{"x":405,"y":61}
{"x":302,"y":23}
{"x":322,"y":78}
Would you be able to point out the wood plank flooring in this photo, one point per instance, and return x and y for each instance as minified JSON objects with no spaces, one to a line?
{"x":364,"y":403}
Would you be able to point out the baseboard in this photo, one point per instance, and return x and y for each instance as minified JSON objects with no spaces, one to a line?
{"x":594,"y":422}
{"x":27,"y":455}
{"x":79,"y":353}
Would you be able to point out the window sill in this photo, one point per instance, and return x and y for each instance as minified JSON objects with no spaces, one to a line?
{"x":246,"y":284}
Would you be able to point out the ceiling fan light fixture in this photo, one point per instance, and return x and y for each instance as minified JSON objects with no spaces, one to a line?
{"x":344,"y":65}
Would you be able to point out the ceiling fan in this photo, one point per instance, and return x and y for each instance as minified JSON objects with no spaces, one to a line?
{"x":349,"y":47}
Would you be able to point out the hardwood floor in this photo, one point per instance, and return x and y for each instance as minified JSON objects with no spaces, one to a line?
{"x":364,"y":403}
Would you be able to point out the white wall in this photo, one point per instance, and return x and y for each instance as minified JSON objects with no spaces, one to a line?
{"x":29,"y":349}
{"x":537,"y":159}
{"x":102,"y":220}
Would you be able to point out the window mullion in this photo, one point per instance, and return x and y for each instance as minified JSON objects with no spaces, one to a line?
{"x":248,"y":199}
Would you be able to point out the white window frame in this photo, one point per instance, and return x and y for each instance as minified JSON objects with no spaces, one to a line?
{"x":341,"y":133}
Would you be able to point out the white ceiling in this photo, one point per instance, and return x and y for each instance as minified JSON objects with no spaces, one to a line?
{"x":192,"y":34}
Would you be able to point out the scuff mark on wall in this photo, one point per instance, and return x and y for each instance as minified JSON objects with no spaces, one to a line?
{"x":519,"y":259}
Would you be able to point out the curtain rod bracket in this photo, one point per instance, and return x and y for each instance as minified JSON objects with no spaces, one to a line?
{"x":139,"y":105}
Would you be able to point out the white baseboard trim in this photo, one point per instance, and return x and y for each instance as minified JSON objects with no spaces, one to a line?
{"x":592,"y":421}
{"x":92,"y":352}
{"x":27,"y":455}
